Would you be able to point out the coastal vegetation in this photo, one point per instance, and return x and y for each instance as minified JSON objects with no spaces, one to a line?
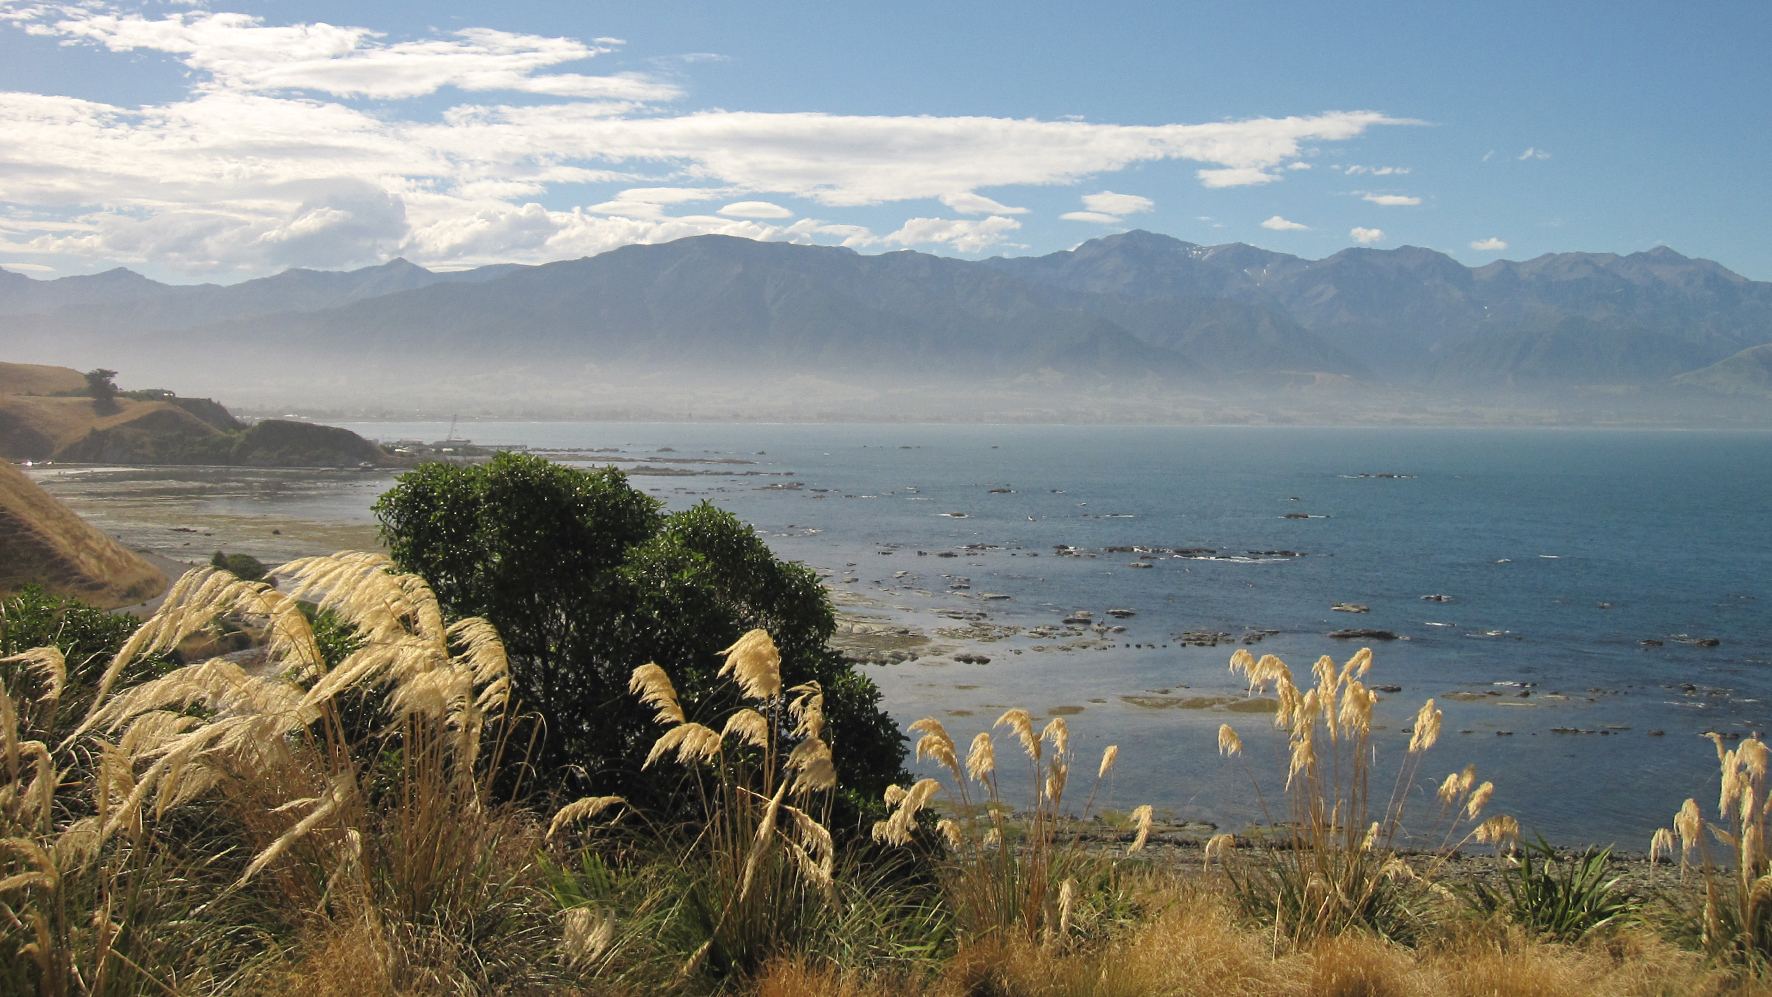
{"x":45,"y":416}
{"x":352,"y":809}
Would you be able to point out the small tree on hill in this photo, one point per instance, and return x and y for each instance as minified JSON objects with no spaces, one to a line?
{"x":102,"y":389}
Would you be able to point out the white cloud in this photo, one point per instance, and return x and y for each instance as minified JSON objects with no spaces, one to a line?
{"x":1534,"y":154}
{"x":34,"y":267}
{"x":1367,"y":236}
{"x":1391,"y":200}
{"x":755,"y":209}
{"x":1377,"y":171}
{"x":1279,"y":224}
{"x":1236,"y":176}
{"x":968,"y":203}
{"x":1298,"y":166}
{"x":1490,"y":245}
{"x":241,"y":52}
{"x":1109,"y":203}
{"x":1488,"y":155}
{"x":257,"y":166}
{"x":966,"y":236}
{"x":1090,"y":216}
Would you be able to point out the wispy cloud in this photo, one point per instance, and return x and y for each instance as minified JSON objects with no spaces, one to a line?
{"x":1279,"y":224}
{"x":273,"y":157}
{"x":1109,"y":203}
{"x":1090,"y":216}
{"x":755,"y":209}
{"x":1107,"y":207}
{"x":968,"y":203}
{"x":1489,"y":245}
{"x":1377,"y":171}
{"x":1390,"y":200}
{"x":1532,"y":153}
{"x":1366,"y":236}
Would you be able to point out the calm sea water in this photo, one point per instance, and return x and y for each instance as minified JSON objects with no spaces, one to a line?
{"x":1561,"y":552}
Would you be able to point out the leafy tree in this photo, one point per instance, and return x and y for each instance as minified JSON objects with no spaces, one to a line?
{"x":102,"y":389}
{"x":587,"y":579}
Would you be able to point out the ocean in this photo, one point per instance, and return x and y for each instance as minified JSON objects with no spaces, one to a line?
{"x":1603,"y":593}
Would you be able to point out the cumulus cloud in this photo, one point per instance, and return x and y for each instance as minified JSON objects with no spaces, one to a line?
{"x":1298,"y":166}
{"x":1279,"y":224}
{"x":262,"y":164}
{"x":1531,"y":153}
{"x":1090,"y":216}
{"x":967,"y":236}
{"x":1366,"y":236}
{"x":755,"y":209}
{"x":1489,"y":245}
{"x":1391,"y":200}
{"x":1377,"y":171}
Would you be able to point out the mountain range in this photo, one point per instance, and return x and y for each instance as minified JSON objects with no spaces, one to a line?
{"x":1137,"y":310}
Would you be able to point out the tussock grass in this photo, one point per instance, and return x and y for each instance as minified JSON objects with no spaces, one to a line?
{"x":323,"y":826}
{"x":1336,"y":863}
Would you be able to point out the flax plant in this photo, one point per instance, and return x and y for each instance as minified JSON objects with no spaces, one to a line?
{"x":1012,"y":877}
{"x":1336,"y":862}
{"x":1736,"y":920}
{"x":762,"y":861}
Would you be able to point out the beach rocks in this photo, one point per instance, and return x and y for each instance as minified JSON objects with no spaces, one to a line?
{"x":968,"y":658}
{"x":1350,"y":607}
{"x":1205,"y":638}
{"x":1363,"y":634}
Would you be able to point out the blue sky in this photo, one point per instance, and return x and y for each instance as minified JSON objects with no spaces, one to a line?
{"x":223,"y":141}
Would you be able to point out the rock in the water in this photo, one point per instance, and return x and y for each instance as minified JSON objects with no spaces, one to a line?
{"x":1363,"y":634}
{"x":1350,"y":607}
{"x":1121,"y":614}
{"x":969,"y":658}
{"x":1437,"y":598}
{"x":1139,"y":564}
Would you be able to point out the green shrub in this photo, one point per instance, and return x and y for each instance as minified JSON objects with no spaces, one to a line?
{"x":243,"y":566}
{"x":586,"y":580}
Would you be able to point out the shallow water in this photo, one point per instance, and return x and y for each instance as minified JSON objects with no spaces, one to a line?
{"x":1560,"y":551}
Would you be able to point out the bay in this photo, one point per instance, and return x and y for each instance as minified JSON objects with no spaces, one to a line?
{"x":1560,"y":552}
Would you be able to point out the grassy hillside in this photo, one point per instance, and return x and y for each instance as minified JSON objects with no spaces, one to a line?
{"x":43,"y":542}
{"x":41,"y":420}
{"x":1746,"y":373}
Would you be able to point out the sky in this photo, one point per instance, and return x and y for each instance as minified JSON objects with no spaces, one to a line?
{"x":219,"y":141}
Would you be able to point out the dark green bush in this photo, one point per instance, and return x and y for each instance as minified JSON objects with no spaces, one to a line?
{"x":586,"y":579}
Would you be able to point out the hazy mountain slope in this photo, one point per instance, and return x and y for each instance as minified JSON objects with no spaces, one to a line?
{"x":712,"y":302}
{"x":121,"y":302}
{"x":1571,"y":317}
{"x":1746,"y":373}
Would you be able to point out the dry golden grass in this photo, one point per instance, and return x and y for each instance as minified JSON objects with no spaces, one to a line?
{"x":1194,"y":947}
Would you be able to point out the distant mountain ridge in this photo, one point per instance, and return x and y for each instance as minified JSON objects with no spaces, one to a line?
{"x":1133,"y":307}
